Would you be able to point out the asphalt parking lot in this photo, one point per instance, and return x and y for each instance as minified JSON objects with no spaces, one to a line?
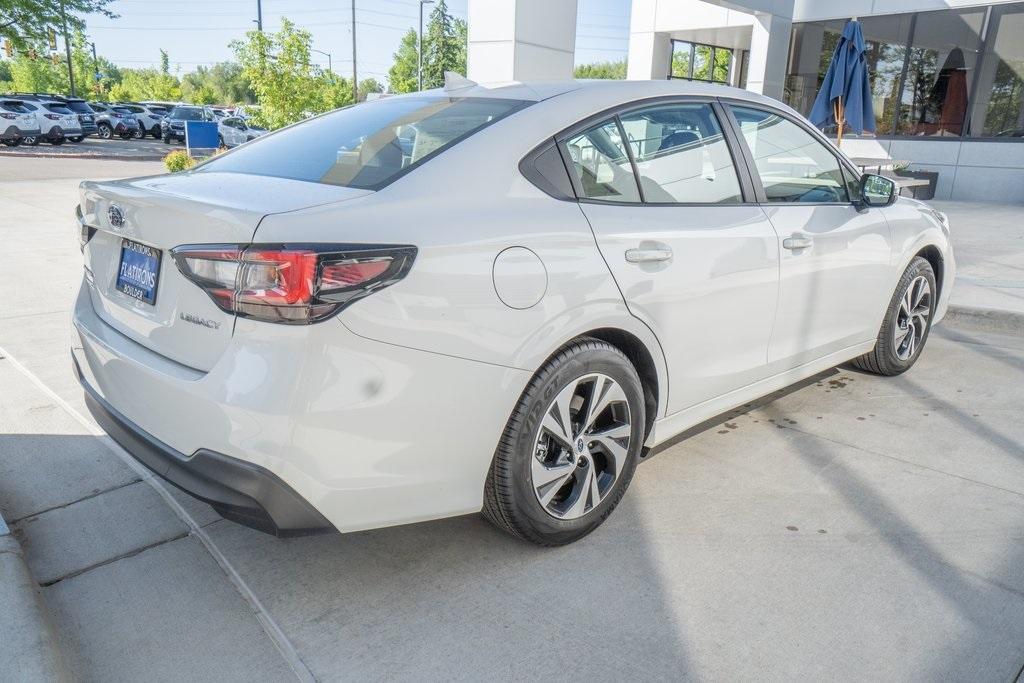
{"x":92,"y":147}
{"x":851,"y":527}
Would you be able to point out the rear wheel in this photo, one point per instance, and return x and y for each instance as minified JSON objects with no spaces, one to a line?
{"x":139,"y":134}
{"x":155,"y":132}
{"x":30,"y":140}
{"x":907,"y":323}
{"x":105,"y":131}
{"x":570,"y":447}
{"x":13,"y":143}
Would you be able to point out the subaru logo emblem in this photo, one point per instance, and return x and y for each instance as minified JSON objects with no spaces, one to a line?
{"x":115,"y":216}
{"x":579,"y":445}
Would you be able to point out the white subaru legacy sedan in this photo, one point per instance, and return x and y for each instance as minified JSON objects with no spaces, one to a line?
{"x":495,"y":299}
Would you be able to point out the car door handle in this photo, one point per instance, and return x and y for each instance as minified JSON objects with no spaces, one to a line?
{"x":648,"y":255}
{"x":797,"y":241}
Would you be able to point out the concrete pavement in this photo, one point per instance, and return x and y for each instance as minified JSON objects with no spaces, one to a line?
{"x":852,"y":527}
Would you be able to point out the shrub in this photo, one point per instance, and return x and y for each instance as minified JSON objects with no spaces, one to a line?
{"x":179,"y":160}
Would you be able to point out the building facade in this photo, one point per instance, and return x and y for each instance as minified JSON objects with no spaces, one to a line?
{"x":947,"y":76}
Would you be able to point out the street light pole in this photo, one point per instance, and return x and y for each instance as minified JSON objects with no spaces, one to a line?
{"x":419,"y":47}
{"x":355,"y":77}
{"x":330,"y":68}
{"x":67,"y":49}
{"x":259,"y":15}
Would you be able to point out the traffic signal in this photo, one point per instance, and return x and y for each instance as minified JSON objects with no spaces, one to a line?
{"x":55,"y":58}
{"x":53,"y":39}
{"x":32,"y":54}
{"x":8,"y":49}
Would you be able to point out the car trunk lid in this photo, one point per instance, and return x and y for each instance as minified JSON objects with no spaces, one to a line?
{"x":137,"y":288}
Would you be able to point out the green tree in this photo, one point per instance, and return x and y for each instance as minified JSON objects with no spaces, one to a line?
{"x":402,"y":75}
{"x":5,"y":71}
{"x":28,"y":22}
{"x":444,"y":46}
{"x":32,"y":71}
{"x":367,"y":86}
{"x":148,"y":84}
{"x":287,"y":85}
{"x":222,"y":83}
{"x":612,"y":70}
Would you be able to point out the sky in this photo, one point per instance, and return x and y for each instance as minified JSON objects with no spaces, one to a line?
{"x":196,"y":32}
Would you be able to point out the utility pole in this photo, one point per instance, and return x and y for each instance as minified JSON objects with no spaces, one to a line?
{"x":419,"y":46}
{"x":259,"y":15}
{"x":355,"y":77}
{"x":95,"y":65}
{"x":67,"y":49}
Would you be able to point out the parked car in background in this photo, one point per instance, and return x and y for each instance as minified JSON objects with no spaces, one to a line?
{"x":112,"y":119}
{"x":233,"y":131}
{"x":57,"y":123}
{"x":335,"y":343}
{"x":221,"y":112}
{"x":149,"y":117}
{"x":173,"y":125}
{"x":246,"y":111}
{"x":86,"y":116}
{"x":17,"y":122}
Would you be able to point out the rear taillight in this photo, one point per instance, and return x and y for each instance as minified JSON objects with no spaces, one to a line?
{"x":8,"y":116}
{"x":53,"y":117}
{"x":116,"y":115}
{"x":293,"y":284}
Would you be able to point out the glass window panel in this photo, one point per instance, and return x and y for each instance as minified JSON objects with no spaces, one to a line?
{"x":792,"y":164}
{"x":681,"y":155}
{"x":999,"y":109}
{"x":722,"y":59}
{"x":886,"y":40}
{"x":681,"y":59}
{"x":940,"y":72}
{"x":702,"y":63}
{"x":601,"y":164}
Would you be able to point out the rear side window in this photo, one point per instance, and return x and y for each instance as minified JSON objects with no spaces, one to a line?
{"x":681,"y":155}
{"x":601,"y":164}
{"x":369,"y":145}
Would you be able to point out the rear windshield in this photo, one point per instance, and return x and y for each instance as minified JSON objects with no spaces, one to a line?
{"x":369,"y":145}
{"x":188,"y":114}
{"x":58,"y":108}
{"x":17,"y":107}
{"x":122,"y":110}
{"x":79,"y":106}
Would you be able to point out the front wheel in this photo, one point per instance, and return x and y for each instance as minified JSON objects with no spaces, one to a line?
{"x":908,"y":320}
{"x":570,"y":447}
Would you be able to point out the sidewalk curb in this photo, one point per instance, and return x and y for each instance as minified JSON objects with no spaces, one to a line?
{"x":31,"y":650}
{"x":987,"y":319}
{"x":95,"y":157}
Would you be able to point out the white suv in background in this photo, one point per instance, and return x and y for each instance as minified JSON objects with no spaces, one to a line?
{"x":56,"y":122}
{"x":17,"y":122}
{"x":149,"y":117}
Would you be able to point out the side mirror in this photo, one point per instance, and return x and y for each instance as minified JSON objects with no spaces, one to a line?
{"x":876,"y":190}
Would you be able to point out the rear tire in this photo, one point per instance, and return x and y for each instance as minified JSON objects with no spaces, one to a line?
{"x":12,"y":143}
{"x":908,"y":320}
{"x":104,"y":131}
{"x":551,"y":490}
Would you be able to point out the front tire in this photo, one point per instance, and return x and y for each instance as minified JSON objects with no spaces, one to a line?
{"x":907,"y":323}
{"x":570,"y":448}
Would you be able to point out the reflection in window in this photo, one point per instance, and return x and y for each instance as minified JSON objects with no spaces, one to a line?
{"x":601,"y":164}
{"x":792,"y":164}
{"x":813,"y":44}
{"x":698,"y":62}
{"x":999,"y":111}
{"x":942,"y":63}
{"x":681,"y":155}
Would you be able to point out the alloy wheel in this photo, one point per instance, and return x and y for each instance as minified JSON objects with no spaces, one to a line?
{"x":912,"y":318}
{"x":581,"y":446}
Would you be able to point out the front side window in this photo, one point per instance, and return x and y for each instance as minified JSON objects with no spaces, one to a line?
{"x":601,"y":164}
{"x":368,"y":145}
{"x":792,"y":164}
{"x":681,"y":155}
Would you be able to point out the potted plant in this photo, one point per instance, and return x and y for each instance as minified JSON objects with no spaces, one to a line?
{"x":902,"y":169}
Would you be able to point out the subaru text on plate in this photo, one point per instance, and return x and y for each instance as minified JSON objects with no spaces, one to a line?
{"x":494,"y":299}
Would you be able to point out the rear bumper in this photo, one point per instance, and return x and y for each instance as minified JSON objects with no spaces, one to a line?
{"x":238,"y":490}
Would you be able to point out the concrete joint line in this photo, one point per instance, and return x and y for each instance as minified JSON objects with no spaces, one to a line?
{"x":104,"y":563}
{"x":270,"y":627}
{"x":64,"y":505}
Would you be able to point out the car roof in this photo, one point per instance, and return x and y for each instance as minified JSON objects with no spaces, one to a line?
{"x":618,"y":90}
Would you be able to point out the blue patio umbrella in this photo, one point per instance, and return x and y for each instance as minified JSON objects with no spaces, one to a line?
{"x":845,"y":95}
